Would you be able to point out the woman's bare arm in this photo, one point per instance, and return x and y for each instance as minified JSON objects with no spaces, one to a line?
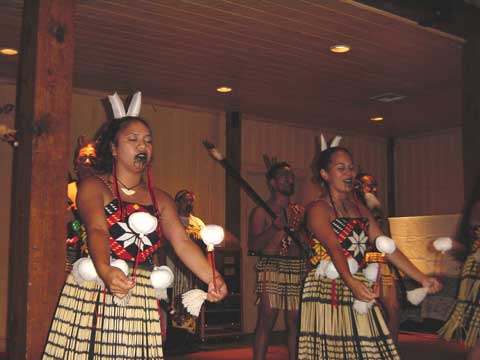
{"x":90,"y":200}
{"x":398,"y":259}
{"x":190,"y":254}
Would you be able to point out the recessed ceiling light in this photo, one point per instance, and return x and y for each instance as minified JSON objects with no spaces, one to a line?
{"x":377,"y":118}
{"x":7,"y":51}
{"x":224,"y":89}
{"x":339,"y":48}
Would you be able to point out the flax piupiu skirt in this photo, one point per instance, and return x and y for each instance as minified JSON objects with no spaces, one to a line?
{"x":463,"y":323}
{"x":88,"y":325}
{"x":280,"y":278}
{"x":331,"y":329}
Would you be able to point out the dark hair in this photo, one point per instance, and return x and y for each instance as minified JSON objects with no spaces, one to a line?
{"x":322,"y":160}
{"x":182,"y":193}
{"x":275,"y":168}
{"x":464,"y":231}
{"x":107,"y":135}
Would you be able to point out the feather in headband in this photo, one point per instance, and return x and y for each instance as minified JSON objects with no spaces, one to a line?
{"x":119,"y":109}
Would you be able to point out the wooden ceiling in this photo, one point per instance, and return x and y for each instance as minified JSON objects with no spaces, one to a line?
{"x":273,"y":53}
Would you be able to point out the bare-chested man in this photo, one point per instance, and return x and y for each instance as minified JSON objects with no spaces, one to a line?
{"x":280,"y":266}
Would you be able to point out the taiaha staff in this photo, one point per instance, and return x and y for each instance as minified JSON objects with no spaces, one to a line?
{"x":213,"y":151}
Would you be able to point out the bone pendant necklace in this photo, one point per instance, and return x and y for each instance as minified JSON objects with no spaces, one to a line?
{"x":129,"y":191}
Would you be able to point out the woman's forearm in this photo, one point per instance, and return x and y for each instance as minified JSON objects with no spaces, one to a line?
{"x":193,"y":257}
{"x":399,"y":260}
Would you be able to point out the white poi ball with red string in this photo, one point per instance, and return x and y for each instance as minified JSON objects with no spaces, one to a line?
{"x":161,"y":277}
{"x":142,"y":223}
{"x":352,"y":265}
{"x":385,"y":245}
{"x":331,"y":271}
{"x":86,"y":269}
{"x":371,"y":272}
{"x":212,"y":235}
{"x":443,"y":244}
{"x":120,"y":264}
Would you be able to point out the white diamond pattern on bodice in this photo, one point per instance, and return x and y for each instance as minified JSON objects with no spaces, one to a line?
{"x":359,"y":243}
{"x":129,"y":238}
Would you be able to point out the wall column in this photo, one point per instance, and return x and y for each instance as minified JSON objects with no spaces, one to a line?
{"x":471,"y":100}
{"x":40,"y":167}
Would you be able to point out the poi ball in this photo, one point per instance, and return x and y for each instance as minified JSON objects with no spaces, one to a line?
{"x":385,"y":245}
{"x":443,"y":244}
{"x":322,"y":265}
{"x":86,"y":269}
{"x":161,"y":277}
{"x":371,"y":272}
{"x":352,"y":265}
{"x":142,"y":222}
{"x":212,"y":234}
{"x":121,"y":264}
{"x":331,"y":272}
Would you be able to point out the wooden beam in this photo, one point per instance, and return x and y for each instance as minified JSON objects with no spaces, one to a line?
{"x":40,"y":165}
{"x":391,"y":177}
{"x":471,"y":101}
{"x":232,"y":188}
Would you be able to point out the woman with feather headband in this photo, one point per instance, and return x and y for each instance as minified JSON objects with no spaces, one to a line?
{"x":338,"y":315}
{"x":109,"y":304}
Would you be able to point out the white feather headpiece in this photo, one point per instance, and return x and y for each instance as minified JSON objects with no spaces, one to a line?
{"x":119,"y":109}
{"x":334,"y":143}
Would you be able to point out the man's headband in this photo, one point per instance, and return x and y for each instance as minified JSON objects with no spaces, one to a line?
{"x":182,"y":193}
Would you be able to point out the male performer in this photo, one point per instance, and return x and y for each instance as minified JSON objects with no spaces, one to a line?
{"x":366,"y":188}
{"x":184,"y":279}
{"x":85,"y":157}
{"x":280,"y":267}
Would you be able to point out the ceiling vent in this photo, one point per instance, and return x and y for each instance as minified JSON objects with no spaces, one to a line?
{"x":388,"y":97}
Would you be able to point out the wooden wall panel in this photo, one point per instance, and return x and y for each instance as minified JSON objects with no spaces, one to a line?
{"x":429,"y":174}
{"x":295,"y":145}
{"x":7,"y":96}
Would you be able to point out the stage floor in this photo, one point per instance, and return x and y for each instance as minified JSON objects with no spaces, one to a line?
{"x":413,"y":346}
